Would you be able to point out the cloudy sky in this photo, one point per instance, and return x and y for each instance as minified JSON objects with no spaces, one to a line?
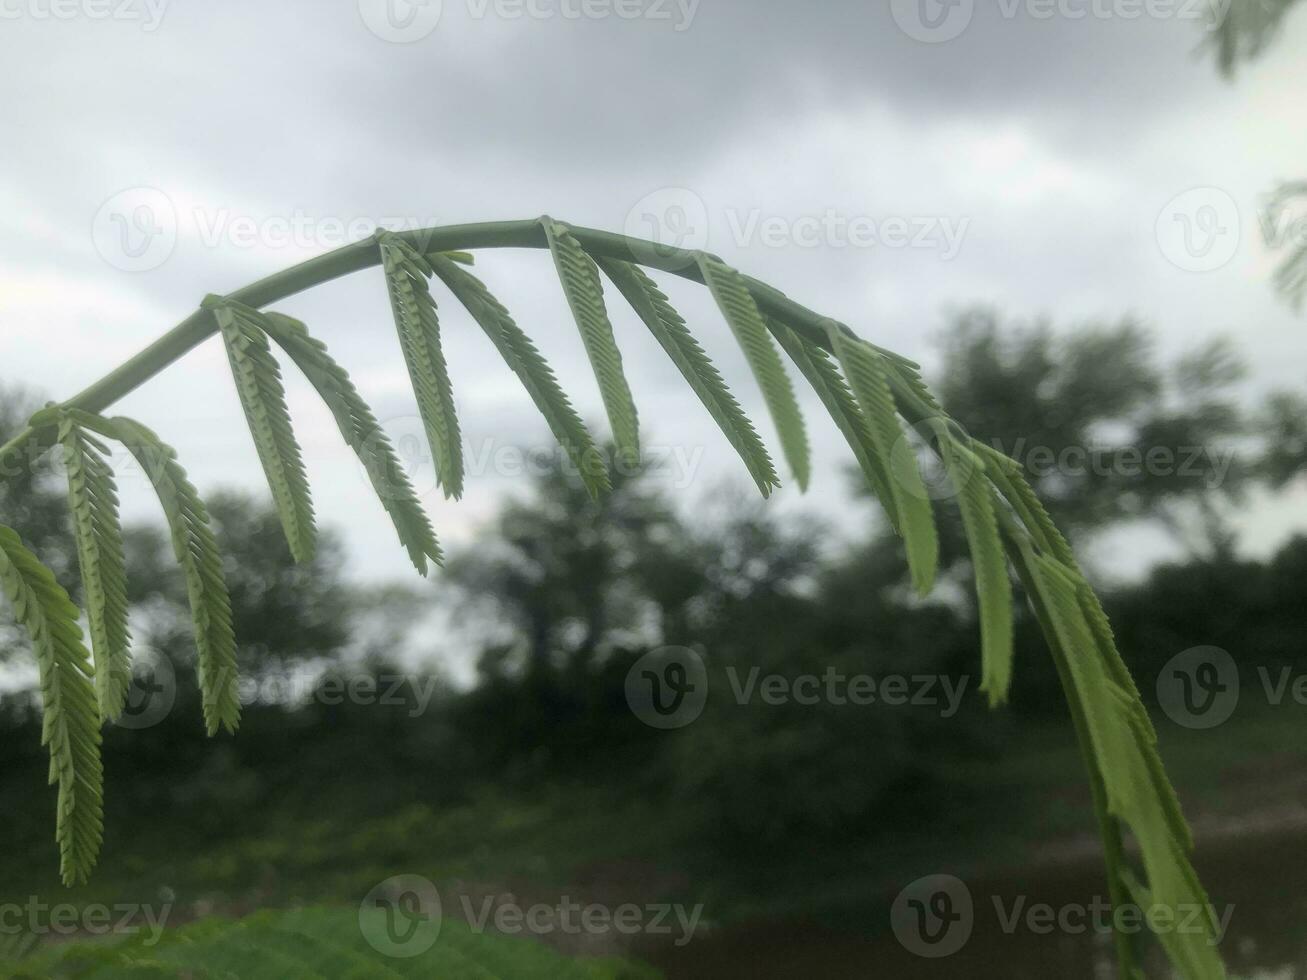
{"x":885,"y":163}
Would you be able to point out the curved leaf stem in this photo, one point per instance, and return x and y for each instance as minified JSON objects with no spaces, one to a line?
{"x":357,"y":256}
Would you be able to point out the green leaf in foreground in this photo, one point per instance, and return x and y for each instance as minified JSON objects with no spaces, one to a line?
{"x":669,"y":329}
{"x":517,"y":350}
{"x":258,"y":382}
{"x":363,"y":434}
{"x":418,"y":325}
{"x":867,"y":374}
{"x":585,"y":297}
{"x":93,"y":500}
{"x":70,"y":727}
{"x":746,"y":322}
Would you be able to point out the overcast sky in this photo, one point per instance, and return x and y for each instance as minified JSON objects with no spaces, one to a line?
{"x":882,"y":162}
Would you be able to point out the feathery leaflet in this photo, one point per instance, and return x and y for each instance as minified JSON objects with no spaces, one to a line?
{"x":418,"y":325}
{"x":258,"y":382}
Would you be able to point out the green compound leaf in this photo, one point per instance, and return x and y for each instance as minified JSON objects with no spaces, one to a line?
{"x":71,"y":724}
{"x":258,"y":382}
{"x":977,"y":502}
{"x":418,"y":325}
{"x":93,"y":500}
{"x":746,"y":322}
{"x":865,"y":388}
{"x":867,"y":372}
{"x":1125,"y":756}
{"x":534,"y":371}
{"x":585,"y":297}
{"x":196,"y":551}
{"x":669,"y":329}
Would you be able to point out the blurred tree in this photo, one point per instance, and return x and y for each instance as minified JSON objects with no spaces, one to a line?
{"x":572,"y":576}
{"x":32,"y":498}
{"x":281,"y":611}
{"x":1284,"y":427}
{"x":1104,"y":433}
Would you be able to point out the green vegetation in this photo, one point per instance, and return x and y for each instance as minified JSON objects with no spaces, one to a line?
{"x":305,"y":944}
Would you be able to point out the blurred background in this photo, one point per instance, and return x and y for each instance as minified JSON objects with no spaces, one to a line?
{"x":1081,"y":218}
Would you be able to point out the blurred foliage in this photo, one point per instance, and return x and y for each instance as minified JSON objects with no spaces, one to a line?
{"x":1243,"y":29}
{"x":1105,"y":433}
